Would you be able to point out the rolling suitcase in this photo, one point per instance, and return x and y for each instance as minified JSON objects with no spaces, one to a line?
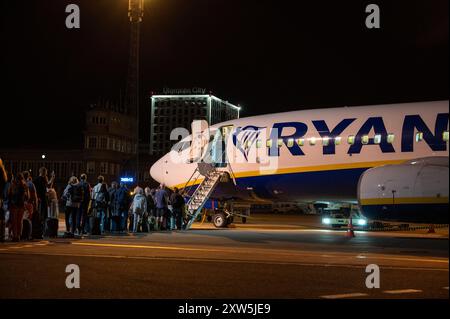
{"x":51,"y":227}
{"x":26,"y":230}
{"x":95,"y":226}
{"x":37,"y":226}
{"x":144,"y":225}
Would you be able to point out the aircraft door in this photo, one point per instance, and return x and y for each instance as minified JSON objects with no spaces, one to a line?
{"x":219,"y":146}
{"x":200,"y":139}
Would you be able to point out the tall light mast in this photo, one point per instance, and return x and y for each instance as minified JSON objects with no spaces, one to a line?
{"x":135,"y":13}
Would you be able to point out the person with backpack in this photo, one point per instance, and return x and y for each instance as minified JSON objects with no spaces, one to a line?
{"x":138,"y":208}
{"x":73,"y":195}
{"x":31,"y":206}
{"x":18,"y":195}
{"x":110,"y":212}
{"x":101,"y":206}
{"x":122,"y":200}
{"x":114,"y":214}
{"x":41,"y":183}
{"x":3,"y":181}
{"x":82,"y":214}
{"x":32,"y":189}
{"x":162,"y":206}
{"x":150,"y":214}
{"x":178,"y":204}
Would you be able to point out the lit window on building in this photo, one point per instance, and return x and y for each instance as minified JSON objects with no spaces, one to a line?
{"x":90,"y":167}
{"x":111,"y":144}
{"x":103,"y":143}
{"x":103,"y":168}
{"x":92,"y":142}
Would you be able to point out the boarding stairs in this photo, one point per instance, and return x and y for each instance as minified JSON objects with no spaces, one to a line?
{"x":211,"y":178}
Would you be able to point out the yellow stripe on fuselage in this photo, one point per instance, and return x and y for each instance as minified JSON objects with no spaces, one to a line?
{"x":303,"y":169}
{"x":403,"y":201}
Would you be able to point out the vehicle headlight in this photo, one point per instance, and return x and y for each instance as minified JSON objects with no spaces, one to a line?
{"x":326,"y":221}
{"x":362,"y":222}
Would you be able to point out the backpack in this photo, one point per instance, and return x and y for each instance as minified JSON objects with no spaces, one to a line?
{"x":100,"y":200}
{"x":87,"y":192}
{"x":122,"y":198}
{"x":76,"y":194}
{"x":179,"y":201}
{"x":139,"y":205}
{"x":150,"y":203}
{"x":18,"y":195}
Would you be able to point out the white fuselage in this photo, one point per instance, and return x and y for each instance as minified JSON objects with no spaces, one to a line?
{"x":319,"y":154}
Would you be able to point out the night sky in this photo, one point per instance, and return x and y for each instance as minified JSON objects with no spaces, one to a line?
{"x":269,"y":56}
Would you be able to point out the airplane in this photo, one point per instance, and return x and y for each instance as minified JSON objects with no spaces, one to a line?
{"x":322,"y":155}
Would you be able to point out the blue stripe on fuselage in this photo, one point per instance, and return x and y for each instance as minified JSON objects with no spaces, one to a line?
{"x":321,"y":185}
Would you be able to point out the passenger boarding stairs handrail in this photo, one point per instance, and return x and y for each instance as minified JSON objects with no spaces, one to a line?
{"x":201,"y":195}
{"x":205,"y":189}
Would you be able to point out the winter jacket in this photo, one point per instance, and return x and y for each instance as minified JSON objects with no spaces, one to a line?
{"x":139,"y":205}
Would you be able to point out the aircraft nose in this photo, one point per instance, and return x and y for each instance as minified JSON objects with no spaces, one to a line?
{"x":157,"y":171}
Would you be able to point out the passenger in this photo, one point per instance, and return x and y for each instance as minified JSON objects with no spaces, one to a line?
{"x":10,"y":178}
{"x":41,"y":183}
{"x":32,"y":189}
{"x":53,"y":207}
{"x":96,"y":189}
{"x":73,"y":194}
{"x":150,"y":214}
{"x":113,"y":209}
{"x":123,"y":203}
{"x":178,"y":205}
{"x":101,"y":205}
{"x":82,"y":215}
{"x":30,"y":207}
{"x":138,"y":208}
{"x":3,"y":181}
{"x":162,"y":200}
{"x":18,"y":195}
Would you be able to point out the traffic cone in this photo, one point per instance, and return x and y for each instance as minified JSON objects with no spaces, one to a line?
{"x":431,"y":229}
{"x":350,"y":231}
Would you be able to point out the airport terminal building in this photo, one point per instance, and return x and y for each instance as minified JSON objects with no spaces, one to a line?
{"x":170,"y":111}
